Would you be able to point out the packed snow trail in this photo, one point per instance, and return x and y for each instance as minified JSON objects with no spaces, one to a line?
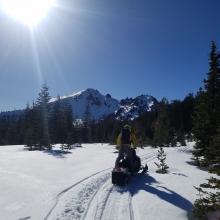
{"x":69,"y":188}
{"x":114,"y":202}
{"x":79,"y":205}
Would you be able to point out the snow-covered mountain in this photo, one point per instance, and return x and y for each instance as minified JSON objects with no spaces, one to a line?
{"x":90,"y":103}
{"x":133,"y":108}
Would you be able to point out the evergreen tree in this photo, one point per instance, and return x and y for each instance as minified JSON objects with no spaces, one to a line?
{"x":68,"y":118}
{"x":55,"y":120}
{"x":212,"y":88}
{"x":187,"y":108}
{"x":207,"y":133}
{"x":87,"y":133}
{"x":43,"y":111}
{"x":214,"y":153}
{"x":201,"y":124}
{"x":61,"y":121}
{"x":32,"y":135}
{"x":162,"y":166}
{"x":87,"y":115}
{"x":144,"y":126}
{"x":206,"y":115}
{"x":69,"y":141}
{"x":209,"y":200}
{"x":162,"y":126}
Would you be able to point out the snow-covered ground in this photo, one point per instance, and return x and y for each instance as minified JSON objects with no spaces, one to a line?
{"x":77,"y":185}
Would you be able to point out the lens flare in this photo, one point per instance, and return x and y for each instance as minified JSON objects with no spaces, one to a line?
{"x":28,"y":12}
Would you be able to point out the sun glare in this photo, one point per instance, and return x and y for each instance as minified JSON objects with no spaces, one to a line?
{"x":29,"y":12}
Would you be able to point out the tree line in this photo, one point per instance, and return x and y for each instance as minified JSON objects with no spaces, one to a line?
{"x":206,"y":131}
{"x":43,"y":124}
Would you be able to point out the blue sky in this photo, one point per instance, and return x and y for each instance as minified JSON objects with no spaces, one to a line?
{"x":122,"y":47}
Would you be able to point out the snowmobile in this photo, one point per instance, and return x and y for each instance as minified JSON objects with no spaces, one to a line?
{"x":122,"y":173}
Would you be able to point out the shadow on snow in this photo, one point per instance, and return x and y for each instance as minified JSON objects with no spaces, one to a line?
{"x":150,"y":185}
{"x":57,"y":153}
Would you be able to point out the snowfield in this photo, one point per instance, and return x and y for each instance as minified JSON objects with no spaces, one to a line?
{"x":77,"y":185}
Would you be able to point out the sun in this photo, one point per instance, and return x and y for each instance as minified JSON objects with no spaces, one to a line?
{"x":28,"y":12}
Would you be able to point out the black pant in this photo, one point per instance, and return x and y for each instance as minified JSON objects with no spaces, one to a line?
{"x":125,"y":149}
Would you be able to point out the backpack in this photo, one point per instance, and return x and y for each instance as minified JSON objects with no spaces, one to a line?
{"x":125,"y":136}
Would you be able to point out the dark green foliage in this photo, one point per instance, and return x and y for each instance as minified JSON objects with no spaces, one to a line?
{"x":214,"y":153}
{"x":56,"y":121}
{"x":106,"y":131}
{"x":202,"y":124}
{"x":187,"y":109}
{"x":167,"y":124}
{"x":68,"y":144}
{"x":206,"y":130}
{"x":180,"y":114}
{"x":209,"y":200}
{"x":42,"y":109}
{"x":162,"y":130}
{"x":61,"y":122}
{"x":86,"y":132}
{"x":143,"y":127}
{"x":162,"y":166}
{"x":206,"y":116}
{"x":32,"y":127}
{"x":47,"y":123}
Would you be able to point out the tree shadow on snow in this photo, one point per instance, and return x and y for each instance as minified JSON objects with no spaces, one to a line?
{"x":150,"y":185}
{"x":57,"y":153}
{"x":195,"y":164}
{"x":179,"y":174}
{"x":25,"y":218}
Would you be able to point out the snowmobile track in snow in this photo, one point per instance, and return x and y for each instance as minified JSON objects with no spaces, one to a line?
{"x":115,"y":200}
{"x":110,"y":196}
{"x":91,"y":190}
{"x":71,"y":187}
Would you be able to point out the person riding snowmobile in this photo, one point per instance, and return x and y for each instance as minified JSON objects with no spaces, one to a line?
{"x":126,"y":143}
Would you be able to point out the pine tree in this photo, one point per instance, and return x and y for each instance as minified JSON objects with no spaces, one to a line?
{"x":32,"y":135}
{"x":68,"y":118}
{"x":55,"y":121}
{"x":206,"y":119}
{"x":207,"y":133}
{"x":212,"y":87}
{"x":209,"y":200}
{"x":69,"y":141}
{"x":201,"y":125}
{"x":187,"y":107}
{"x":162,"y":126}
{"x":43,"y":111}
{"x":87,"y":125}
{"x":87,"y":114}
{"x":162,"y":166}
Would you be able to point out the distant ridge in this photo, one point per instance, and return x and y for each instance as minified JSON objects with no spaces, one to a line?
{"x":91,"y":103}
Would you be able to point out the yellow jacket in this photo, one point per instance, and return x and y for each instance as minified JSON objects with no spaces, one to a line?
{"x":132,"y":138}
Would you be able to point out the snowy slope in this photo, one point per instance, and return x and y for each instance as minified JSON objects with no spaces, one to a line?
{"x":90,"y":103}
{"x":76,"y":185}
{"x":132,"y":108}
